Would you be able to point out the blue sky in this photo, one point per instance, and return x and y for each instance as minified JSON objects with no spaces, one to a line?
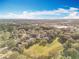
{"x":21,"y":6}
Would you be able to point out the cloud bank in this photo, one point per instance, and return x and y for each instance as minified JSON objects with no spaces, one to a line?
{"x":71,"y":13}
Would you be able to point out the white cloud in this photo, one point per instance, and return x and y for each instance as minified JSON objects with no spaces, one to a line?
{"x":71,"y":13}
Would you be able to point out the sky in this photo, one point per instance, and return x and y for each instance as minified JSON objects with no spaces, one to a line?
{"x":39,"y":9}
